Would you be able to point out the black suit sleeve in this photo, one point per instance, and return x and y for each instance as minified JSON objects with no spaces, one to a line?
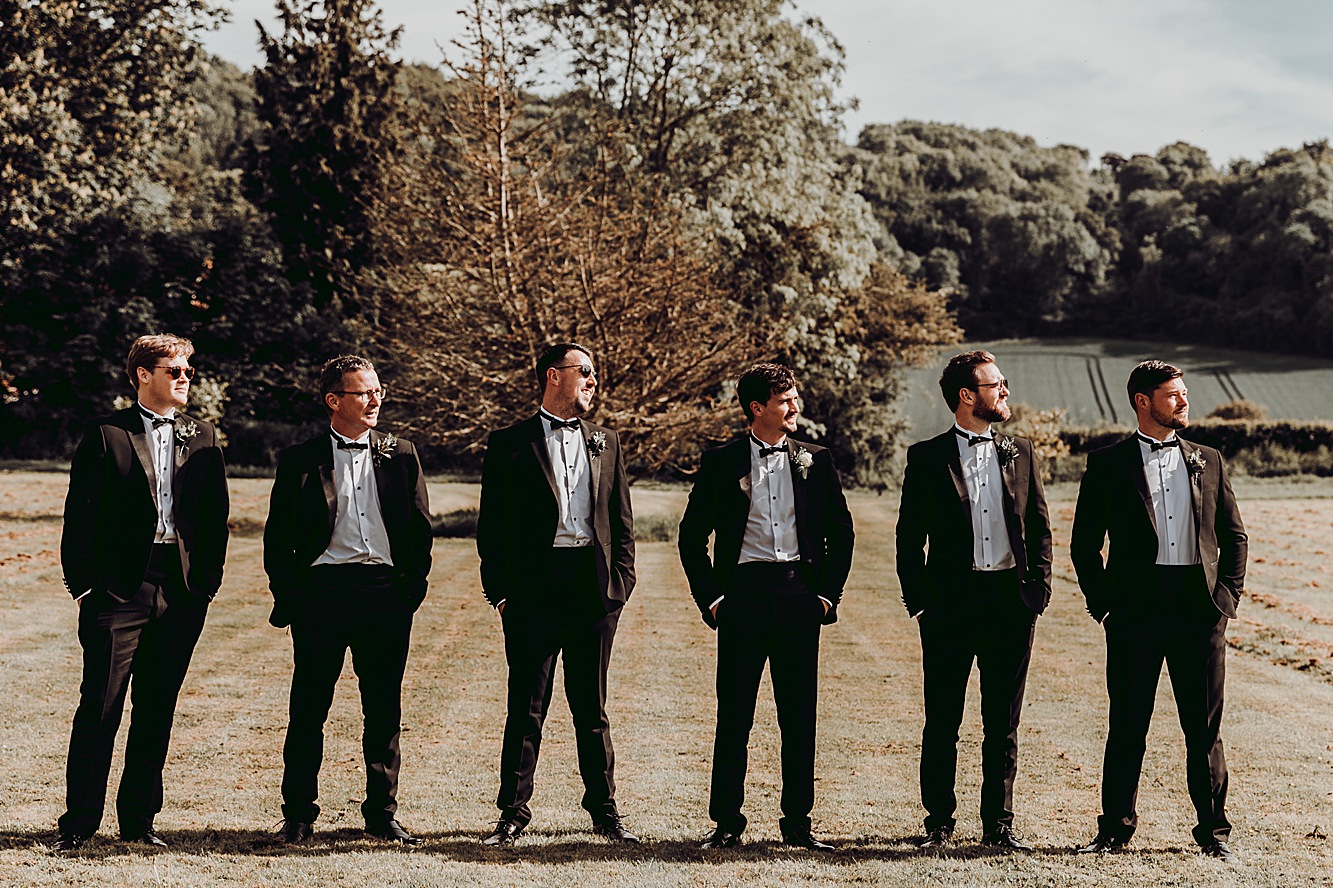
{"x":1091,"y":523}
{"x":206,"y":482}
{"x":281,"y":539}
{"x":622,"y":525}
{"x":910,"y":535}
{"x":698,"y":522}
{"x":1037,"y":530}
{"x":78,"y":541}
{"x":840,"y":538}
{"x":416,"y":567}
{"x":1232,"y":541}
{"x":491,"y":523}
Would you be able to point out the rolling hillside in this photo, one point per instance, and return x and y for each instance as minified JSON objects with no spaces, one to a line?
{"x":1087,"y":378}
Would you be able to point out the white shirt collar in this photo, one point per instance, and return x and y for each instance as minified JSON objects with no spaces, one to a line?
{"x":361,"y":440}
{"x":170,"y":414}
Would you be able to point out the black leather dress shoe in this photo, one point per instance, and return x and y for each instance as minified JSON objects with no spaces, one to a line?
{"x":720,"y":839}
{"x":936,"y":839}
{"x":1103,"y":844}
{"x":805,"y":839}
{"x":148,"y":837}
{"x":71,"y":841}
{"x":393,"y":831}
{"x":613,"y":827}
{"x":505,"y":833}
{"x":1003,"y":837}
{"x":294,"y":832}
{"x":1219,"y":851}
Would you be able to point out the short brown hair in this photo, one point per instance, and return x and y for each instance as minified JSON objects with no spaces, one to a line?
{"x":332,"y":373}
{"x":961,"y":373}
{"x":552,"y":356}
{"x":1147,"y":376}
{"x":148,"y":349}
{"x":761,"y":382}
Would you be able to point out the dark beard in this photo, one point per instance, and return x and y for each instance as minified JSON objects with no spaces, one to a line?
{"x":990,"y":414}
{"x":1168,"y":420}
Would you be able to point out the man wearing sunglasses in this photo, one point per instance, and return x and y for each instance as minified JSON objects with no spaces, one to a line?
{"x":974,"y":563}
{"x":144,"y":540}
{"x":347,"y":549}
{"x":556,"y":539}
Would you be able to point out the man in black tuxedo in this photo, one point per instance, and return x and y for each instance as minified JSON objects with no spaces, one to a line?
{"x":347,"y":548}
{"x":1170,"y":581}
{"x":556,"y":539}
{"x":973,"y":497}
{"x":781,"y":553}
{"x":142,"y":550}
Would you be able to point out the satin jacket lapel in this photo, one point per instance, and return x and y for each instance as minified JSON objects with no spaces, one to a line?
{"x":139,"y":440}
{"x":955,"y":464}
{"x":1008,"y":475}
{"x":180,"y":452}
{"x":741,"y":492}
{"x":1134,"y":465}
{"x":385,"y":488}
{"x":595,"y":463}
{"x":1196,"y":486}
{"x":325,"y":453}
{"x":536,"y":431}
{"x":799,"y":488}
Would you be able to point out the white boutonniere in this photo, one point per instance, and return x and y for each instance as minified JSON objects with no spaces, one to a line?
{"x":185,"y":431}
{"x":383,"y":449}
{"x":1006,"y":450}
{"x":1195,"y":463}
{"x":596,"y":444}
{"x":803,"y":461}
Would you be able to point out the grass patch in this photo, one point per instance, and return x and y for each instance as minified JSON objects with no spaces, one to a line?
{"x":460,"y":523}
{"x":656,"y":528}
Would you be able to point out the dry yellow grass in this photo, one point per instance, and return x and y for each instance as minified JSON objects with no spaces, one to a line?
{"x":224,"y":770}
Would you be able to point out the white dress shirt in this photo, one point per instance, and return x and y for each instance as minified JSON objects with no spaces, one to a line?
{"x":359,"y":535}
{"x":161,"y":444}
{"x":985,"y":493}
{"x":1169,"y":485}
{"x":770,"y":527}
{"x":573,"y":483}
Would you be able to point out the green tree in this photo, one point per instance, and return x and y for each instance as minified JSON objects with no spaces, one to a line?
{"x":330,"y":109}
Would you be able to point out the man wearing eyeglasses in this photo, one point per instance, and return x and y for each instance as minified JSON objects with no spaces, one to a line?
{"x":144,"y":540}
{"x":973,"y":498}
{"x":556,"y":539}
{"x":347,"y":549}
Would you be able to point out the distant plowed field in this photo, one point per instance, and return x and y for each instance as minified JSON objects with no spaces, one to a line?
{"x":1087,"y":378}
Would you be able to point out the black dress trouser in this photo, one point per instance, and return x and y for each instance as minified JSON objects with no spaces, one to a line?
{"x":1181,"y":626}
{"x":140,"y":647}
{"x":986,"y":622}
{"x":561,"y":616}
{"x":354,"y":607}
{"x":769,"y":616}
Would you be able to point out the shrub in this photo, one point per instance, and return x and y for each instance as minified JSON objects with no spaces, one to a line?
{"x":1243,"y":410}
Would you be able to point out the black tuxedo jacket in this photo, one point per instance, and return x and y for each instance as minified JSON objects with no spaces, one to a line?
{"x":303,"y":506}
{"x":111,"y":508}
{"x":936,"y":509}
{"x":1113,"y":500}
{"x":720,"y":504}
{"x":520,"y":511}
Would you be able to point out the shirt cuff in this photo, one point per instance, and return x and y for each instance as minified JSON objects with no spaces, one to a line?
{"x":826,"y":601}
{"x":716,"y":603}
{"x":500,"y":602}
{"x":83,"y":596}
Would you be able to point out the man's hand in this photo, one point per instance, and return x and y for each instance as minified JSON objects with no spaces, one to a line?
{"x":501,"y":608}
{"x":713,"y":611}
{"x":825,"y":603}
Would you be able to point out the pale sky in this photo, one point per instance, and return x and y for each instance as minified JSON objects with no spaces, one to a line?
{"x":1239,"y":78}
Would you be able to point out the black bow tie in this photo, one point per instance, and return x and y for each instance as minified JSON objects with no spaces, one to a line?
{"x":350,"y":445}
{"x":1155,"y":446}
{"x":973,"y":440}
{"x":157,"y":421}
{"x":562,"y":423}
{"x":765,"y":450}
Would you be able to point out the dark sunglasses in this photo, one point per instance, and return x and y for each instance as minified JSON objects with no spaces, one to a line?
{"x":584,"y":369}
{"x":175,"y":372}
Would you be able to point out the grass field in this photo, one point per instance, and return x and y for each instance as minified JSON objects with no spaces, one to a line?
{"x":224,"y":771}
{"x":1087,"y":378}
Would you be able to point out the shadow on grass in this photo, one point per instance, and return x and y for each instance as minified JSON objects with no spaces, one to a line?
{"x":533,"y":847}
